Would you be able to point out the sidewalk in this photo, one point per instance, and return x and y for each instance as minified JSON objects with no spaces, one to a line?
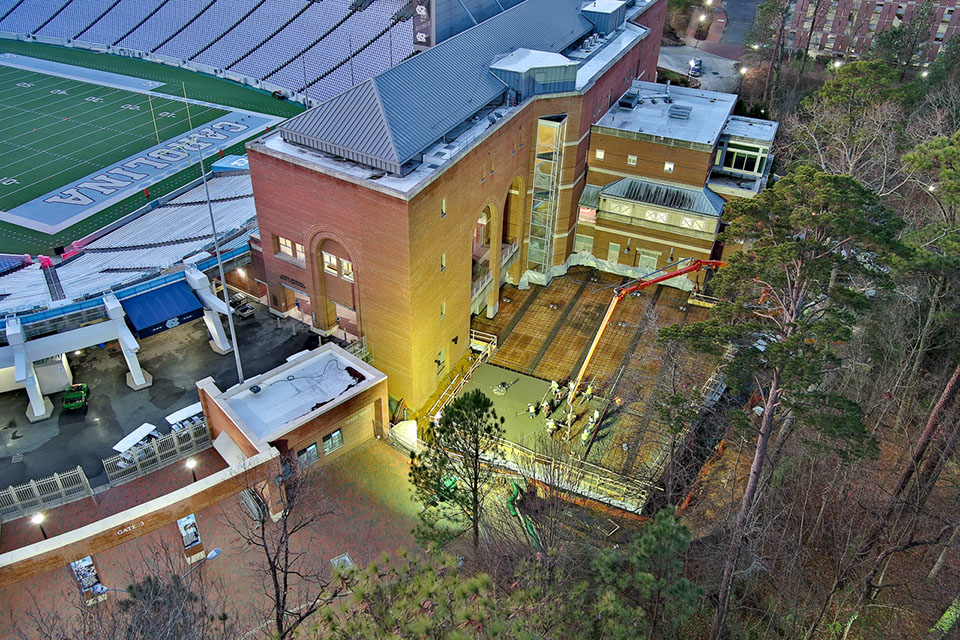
{"x":22,"y":532}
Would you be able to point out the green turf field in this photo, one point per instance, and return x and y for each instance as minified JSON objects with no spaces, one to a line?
{"x":15,"y":239}
{"x":54,"y":130}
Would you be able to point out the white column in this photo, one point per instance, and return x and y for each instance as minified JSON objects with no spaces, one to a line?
{"x":137,"y":378}
{"x":213,"y":307}
{"x":219,"y":341}
{"x":40,"y":407}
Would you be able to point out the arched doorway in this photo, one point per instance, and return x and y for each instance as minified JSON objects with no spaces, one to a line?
{"x":338,"y":276}
{"x":512,"y":229}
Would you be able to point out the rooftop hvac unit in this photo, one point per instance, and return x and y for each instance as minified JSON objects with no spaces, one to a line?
{"x":680,"y":112}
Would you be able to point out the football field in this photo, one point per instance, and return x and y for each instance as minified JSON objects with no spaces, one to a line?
{"x":54,"y":130}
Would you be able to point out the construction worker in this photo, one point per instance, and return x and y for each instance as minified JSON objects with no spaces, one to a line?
{"x":531,"y":410}
{"x":589,"y":392}
{"x":595,"y":417}
{"x":554,"y":386}
{"x":551,"y":425}
{"x":546,"y":408}
{"x":585,"y":436}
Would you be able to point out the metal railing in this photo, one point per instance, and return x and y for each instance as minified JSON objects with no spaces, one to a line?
{"x":37,"y":495}
{"x":156,"y":454}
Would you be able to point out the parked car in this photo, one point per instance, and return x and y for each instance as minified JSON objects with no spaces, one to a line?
{"x":75,"y":396}
{"x":245,"y":310}
{"x":696,"y":68}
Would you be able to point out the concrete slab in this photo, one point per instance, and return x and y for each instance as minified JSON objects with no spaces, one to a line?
{"x":147,"y":381}
{"x":719,"y":73}
{"x":38,"y":417}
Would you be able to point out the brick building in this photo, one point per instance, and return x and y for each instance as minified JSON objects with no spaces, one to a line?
{"x":846,"y":28}
{"x":395,"y":210}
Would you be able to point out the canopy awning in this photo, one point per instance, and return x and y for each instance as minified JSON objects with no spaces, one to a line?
{"x":162,"y":308}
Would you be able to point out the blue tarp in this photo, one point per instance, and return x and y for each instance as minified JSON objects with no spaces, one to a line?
{"x":161,"y":309}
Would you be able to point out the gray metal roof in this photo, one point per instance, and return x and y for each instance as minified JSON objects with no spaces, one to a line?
{"x":672,"y":196}
{"x":591,"y":196}
{"x":391,"y":118}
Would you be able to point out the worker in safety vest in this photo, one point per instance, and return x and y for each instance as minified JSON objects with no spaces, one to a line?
{"x":531,"y":410}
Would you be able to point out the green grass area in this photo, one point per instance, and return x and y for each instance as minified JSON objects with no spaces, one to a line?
{"x":198,"y":86}
{"x":15,"y":239}
{"x":54,"y":130}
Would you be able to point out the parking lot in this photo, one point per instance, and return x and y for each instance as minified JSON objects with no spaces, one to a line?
{"x":176,"y":358}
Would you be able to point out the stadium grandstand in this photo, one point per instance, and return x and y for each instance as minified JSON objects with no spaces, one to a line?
{"x":322,"y":47}
{"x":163,"y":235}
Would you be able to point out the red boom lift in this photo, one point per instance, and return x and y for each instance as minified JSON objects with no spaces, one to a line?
{"x":693,"y":266}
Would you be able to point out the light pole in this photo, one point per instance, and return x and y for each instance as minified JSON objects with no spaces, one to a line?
{"x":100,"y":589}
{"x":192,"y":465}
{"x":696,"y":36}
{"x":37,"y":519}
{"x":216,"y":248}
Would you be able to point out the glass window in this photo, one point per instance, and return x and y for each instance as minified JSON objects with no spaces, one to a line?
{"x":632,"y":161}
{"x":443,"y":308}
{"x":330,"y":263}
{"x":443,"y":262}
{"x":310,"y":454}
{"x":332,"y":442}
{"x":648,"y":259}
{"x":668,"y":167}
{"x":346,"y":269}
{"x":613,"y":252}
{"x":298,"y":251}
{"x":583,"y":243}
{"x":600,"y":153}
{"x":286,"y":247}
{"x":441,"y":362}
{"x":443,"y":208}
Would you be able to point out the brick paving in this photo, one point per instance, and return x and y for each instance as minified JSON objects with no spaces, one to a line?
{"x":21,"y":532}
{"x":374,"y":513}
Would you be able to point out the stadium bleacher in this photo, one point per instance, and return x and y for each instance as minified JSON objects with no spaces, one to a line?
{"x":143,"y":247}
{"x":261,"y":39}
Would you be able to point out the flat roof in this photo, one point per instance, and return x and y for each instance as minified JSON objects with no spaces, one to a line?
{"x":278,"y":401}
{"x":523,"y":60}
{"x":751,"y":128}
{"x":708,"y":113}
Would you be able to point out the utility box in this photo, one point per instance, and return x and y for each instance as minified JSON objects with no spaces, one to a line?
{"x":529,"y":72}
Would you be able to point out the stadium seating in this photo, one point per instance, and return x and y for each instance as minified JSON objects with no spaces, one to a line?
{"x":254,"y":38}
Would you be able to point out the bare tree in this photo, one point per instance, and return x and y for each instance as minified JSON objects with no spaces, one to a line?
{"x":286,"y":510}
{"x":164,"y":600}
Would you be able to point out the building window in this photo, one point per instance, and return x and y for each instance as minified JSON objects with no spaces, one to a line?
{"x":613,"y":252}
{"x":583,"y":243}
{"x":443,"y":262}
{"x":290,"y":248}
{"x":309,"y":455}
{"x":668,"y":167}
{"x":632,"y":161}
{"x":443,"y":308}
{"x":443,"y":207}
{"x":332,"y":442}
{"x":441,"y":362}
{"x":330,"y":263}
{"x":647,"y":259}
{"x":346,"y":269}
{"x":599,"y":154}
{"x":586,"y":214}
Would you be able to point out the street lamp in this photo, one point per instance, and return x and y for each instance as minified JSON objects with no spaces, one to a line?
{"x":216,"y":248}
{"x":696,"y":36}
{"x":99,"y":589}
{"x":192,"y":465}
{"x":37,"y":519}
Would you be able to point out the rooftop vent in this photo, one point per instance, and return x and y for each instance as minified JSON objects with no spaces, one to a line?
{"x":680,"y":112}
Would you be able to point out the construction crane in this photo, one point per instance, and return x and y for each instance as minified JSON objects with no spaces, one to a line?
{"x":693,"y":266}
